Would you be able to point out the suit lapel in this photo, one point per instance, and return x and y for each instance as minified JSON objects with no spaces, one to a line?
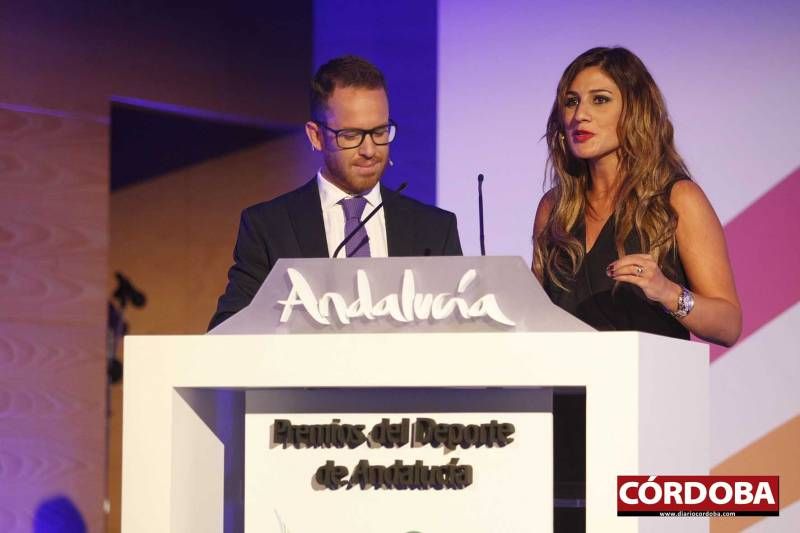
{"x":305,"y":215}
{"x":399,"y":226}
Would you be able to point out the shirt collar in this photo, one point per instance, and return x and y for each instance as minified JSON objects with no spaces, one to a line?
{"x":330,"y":194}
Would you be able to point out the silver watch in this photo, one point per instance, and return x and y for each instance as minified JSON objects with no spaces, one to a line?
{"x":685,"y":303}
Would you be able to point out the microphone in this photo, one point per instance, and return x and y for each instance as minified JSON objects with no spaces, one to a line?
{"x":480,"y":212}
{"x":392,"y":195}
{"x":126,"y":292}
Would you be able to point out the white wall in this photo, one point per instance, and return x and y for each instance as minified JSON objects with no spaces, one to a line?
{"x":730,"y":72}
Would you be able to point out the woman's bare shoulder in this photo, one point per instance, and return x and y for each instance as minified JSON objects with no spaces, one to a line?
{"x":543,"y":211}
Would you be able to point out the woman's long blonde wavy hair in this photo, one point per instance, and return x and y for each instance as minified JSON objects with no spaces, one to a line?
{"x":648,"y":165}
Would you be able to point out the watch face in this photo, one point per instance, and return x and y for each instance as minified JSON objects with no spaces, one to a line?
{"x":685,"y":303}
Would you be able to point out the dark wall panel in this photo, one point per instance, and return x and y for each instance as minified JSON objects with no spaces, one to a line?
{"x":244,"y":58}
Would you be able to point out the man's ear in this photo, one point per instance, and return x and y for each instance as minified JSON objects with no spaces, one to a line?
{"x":314,"y":134}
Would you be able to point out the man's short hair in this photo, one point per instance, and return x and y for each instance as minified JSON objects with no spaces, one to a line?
{"x":345,"y":71}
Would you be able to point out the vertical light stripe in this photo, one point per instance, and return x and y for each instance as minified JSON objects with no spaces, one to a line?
{"x":754,"y":388}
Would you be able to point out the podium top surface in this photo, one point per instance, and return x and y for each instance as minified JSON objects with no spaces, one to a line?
{"x":400,"y":294}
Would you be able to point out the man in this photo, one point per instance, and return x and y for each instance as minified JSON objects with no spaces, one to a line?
{"x":351,"y":127}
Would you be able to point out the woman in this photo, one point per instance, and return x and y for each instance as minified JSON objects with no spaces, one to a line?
{"x":624,"y":239}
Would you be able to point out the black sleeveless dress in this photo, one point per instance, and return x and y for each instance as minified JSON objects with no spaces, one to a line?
{"x":592,"y":298}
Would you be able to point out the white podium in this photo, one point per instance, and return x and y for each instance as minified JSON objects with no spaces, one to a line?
{"x":187,"y":399}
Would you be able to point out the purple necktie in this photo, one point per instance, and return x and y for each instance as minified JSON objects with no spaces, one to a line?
{"x":358,"y":246}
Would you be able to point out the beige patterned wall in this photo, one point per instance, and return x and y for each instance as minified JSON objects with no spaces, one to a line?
{"x":62,"y":63}
{"x":53,"y":247}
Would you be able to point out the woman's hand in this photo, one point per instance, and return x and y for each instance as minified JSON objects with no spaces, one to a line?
{"x":717,"y":314}
{"x":643,"y":271}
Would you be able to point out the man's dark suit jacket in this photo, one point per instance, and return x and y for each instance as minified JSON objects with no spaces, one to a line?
{"x":291,"y":226}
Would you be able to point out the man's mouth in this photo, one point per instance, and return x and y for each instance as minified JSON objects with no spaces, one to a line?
{"x":367,"y":165}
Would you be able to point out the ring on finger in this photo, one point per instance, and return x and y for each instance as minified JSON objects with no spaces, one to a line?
{"x":639,"y":270}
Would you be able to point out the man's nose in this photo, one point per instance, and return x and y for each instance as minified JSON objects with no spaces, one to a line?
{"x":367,"y":148}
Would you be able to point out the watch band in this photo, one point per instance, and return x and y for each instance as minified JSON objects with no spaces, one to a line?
{"x":685,"y":303}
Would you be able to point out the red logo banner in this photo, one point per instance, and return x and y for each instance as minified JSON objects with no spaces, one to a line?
{"x":698,"y":496}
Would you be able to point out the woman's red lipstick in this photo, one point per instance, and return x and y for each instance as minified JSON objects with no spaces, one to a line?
{"x":582,"y":136}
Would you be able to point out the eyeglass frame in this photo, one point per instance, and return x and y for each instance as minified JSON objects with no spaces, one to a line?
{"x":364,"y":133}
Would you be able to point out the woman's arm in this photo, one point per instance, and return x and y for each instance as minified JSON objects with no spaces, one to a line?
{"x":539,"y":221}
{"x":717,"y":314}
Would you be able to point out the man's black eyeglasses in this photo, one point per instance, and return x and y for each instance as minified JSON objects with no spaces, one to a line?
{"x":353,"y":137}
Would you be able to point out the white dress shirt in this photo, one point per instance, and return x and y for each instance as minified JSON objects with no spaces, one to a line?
{"x":333,"y":217}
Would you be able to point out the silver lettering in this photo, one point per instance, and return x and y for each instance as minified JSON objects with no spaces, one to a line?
{"x":407,"y":306}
